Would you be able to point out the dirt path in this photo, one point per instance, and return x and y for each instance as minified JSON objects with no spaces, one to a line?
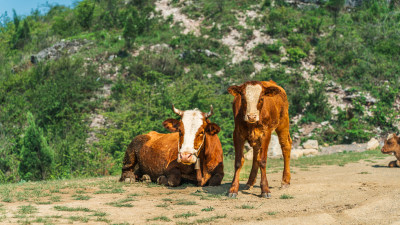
{"x":359,"y":193}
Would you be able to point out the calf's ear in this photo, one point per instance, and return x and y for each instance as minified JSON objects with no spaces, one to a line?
{"x":234,"y":90}
{"x":271,"y":91}
{"x":212,"y":128}
{"x":171,"y":125}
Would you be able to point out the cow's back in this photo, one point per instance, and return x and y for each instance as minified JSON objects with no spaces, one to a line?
{"x":156,"y":153}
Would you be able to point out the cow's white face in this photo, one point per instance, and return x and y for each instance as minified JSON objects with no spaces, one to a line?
{"x":252,"y":97}
{"x":192,"y":135}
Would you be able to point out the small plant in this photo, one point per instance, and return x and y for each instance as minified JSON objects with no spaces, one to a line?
{"x":364,"y":172}
{"x":210,"y":219}
{"x":164,"y":205}
{"x":27,"y":209}
{"x":162,"y":218}
{"x":208,"y":209}
{"x":81,"y":197}
{"x":55,"y":198}
{"x":122,"y":203}
{"x":286,"y":196}
{"x":69,"y":209}
{"x":272,"y":213}
{"x":245,"y":207}
{"x":79,"y":218}
{"x":184,"y":202}
{"x":185,"y":215}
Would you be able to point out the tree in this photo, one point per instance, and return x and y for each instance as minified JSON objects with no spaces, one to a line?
{"x":84,"y":13}
{"x":36,"y":156}
{"x":130,"y":31}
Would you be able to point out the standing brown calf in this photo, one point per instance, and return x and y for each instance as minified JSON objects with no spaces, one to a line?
{"x":193,"y":152}
{"x":259,"y":108}
{"x":392,"y":146}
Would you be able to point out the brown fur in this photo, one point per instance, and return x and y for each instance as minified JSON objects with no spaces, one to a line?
{"x":156,"y":155}
{"x":392,"y":145}
{"x":274,"y":115}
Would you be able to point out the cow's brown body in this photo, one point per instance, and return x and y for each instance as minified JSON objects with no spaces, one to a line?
{"x":392,"y":146}
{"x":156,"y":155}
{"x":273,"y":116}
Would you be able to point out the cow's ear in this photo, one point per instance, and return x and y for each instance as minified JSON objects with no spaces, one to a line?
{"x":271,"y":91}
{"x":171,"y":125}
{"x":234,"y":90}
{"x":212,"y":128}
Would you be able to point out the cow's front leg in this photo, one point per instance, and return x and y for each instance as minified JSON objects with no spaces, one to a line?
{"x":254,"y":169}
{"x":173,"y":178}
{"x":239,"y":160}
{"x":395,"y":163}
{"x":262,"y":162}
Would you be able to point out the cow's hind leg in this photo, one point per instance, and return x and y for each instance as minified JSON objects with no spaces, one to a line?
{"x":394,"y":163}
{"x":286,"y":145}
{"x":174,"y":177}
{"x":254,"y":170}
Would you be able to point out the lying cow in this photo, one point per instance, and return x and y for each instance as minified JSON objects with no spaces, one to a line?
{"x":193,"y":152}
{"x":392,"y":146}
{"x":260,"y":108}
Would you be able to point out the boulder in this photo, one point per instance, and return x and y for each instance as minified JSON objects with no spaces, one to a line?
{"x":372,"y":144}
{"x":310,"y":152}
{"x":313,"y":144}
{"x":296,"y":153}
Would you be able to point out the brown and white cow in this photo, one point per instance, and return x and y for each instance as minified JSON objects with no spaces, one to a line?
{"x":193,"y":152}
{"x":392,"y":146}
{"x":260,"y":108}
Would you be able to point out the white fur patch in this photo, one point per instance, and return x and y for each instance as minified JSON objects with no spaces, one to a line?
{"x":252,"y":96}
{"x":192,"y":121}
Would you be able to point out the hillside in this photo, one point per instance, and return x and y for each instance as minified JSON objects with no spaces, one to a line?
{"x":96,"y":75}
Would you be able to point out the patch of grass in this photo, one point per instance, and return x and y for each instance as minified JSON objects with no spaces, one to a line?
{"x":27,"y":209}
{"x":164,"y":205}
{"x":185,"y":215}
{"x":167,"y":199}
{"x":245,"y":207}
{"x":81,"y":197}
{"x":55,"y":198}
{"x":286,"y":196}
{"x":80,"y":192}
{"x":122,"y":203}
{"x":210,"y":219}
{"x":208,"y":209}
{"x":162,"y":218}
{"x":364,"y":172}
{"x":185,"y":202}
{"x":70,"y":209}
{"x":44,"y":203}
{"x":79,"y":218}
{"x":102,"y":219}
{"x":99,"y":214}
{"x":272,"y":213}
{"x":135,"y":194}
{"x":113,"y":191}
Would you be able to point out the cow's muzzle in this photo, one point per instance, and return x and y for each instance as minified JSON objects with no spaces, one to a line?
{"x":187,"y":158}
{"x":251,"y":118}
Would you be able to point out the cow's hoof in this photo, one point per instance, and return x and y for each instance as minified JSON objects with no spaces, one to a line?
{"x":266,"y":195}
{"x":285,"y":185}
{"x":162,"y":180}
{"x":232,"y":195}
{"x":146,"y":178}
{"x":248,"y":187}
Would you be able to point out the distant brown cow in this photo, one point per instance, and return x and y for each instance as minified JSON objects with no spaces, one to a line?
{"x":392,"y":146}
{"x":259,"y":108}
{"x":193,"y":152}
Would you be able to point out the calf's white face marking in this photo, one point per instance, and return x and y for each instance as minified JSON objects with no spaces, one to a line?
{"x":389,"y":137}
{"x":252,"y":95}
{"x":192,"y":120}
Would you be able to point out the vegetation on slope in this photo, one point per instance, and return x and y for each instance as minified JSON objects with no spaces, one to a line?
{"x":359,"y":50}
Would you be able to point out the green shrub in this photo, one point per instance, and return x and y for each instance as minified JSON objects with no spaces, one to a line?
{"x":296,"y":54}
{"x":84,"y":13}
{"x":36,"y":156}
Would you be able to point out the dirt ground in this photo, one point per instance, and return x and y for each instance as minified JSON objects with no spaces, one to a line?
{"x":366,"y":192}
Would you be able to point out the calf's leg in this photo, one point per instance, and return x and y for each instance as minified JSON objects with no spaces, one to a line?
{"x":286,"y":145}
{"x":239,"y":160}
{"x":265,"y":192}
{"x":254,"y":170}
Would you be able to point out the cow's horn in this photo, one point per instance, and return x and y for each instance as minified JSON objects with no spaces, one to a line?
{"x":177,"y":111}
{"x":211,"y":112}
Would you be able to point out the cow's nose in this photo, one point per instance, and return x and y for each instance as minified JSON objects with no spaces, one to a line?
{"x":251,"y":117}
{"x":186,"y":157}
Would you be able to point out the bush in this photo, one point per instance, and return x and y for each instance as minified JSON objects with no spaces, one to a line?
{"x":84,"y":13}
{"x":296,"y":54}
{"x":36,"y":156}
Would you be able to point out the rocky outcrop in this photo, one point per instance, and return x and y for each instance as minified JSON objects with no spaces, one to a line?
{"x":58,"y":49}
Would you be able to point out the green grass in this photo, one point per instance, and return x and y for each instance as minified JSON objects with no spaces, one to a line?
{"x":286,"y":196}
{"x":185,"y":215}
{"x":164,"y":205}
{"x":100,"y":214}
{"x":81,"y":197}
{"x":364,"y":172}
{"x":79,"y":218}
{"x":185,"y":202}
{"x":71,"y":209}
{"x":245,"y":207}
{"x":162,"y":218}
{"x":210,"y":219}
{"x":272,"y":213}
{"x":112,"y":191}
{"x":55,"y":198}
{"x":339,"y":159}
{"x":122,"y":203}
{"x":27,"y":209}
{"x":208,"y":209}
